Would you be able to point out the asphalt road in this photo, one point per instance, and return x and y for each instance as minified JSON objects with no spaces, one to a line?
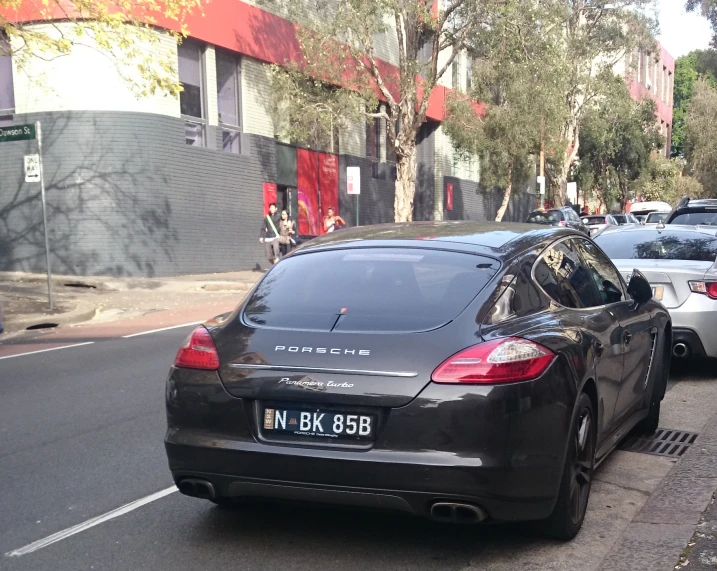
{"x":81,"y":433}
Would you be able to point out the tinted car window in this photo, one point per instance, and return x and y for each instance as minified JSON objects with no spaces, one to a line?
{"x":562,"y":275}
{"x":372,"y":289}
{"x":664,"y":245}
{"x":604,"y":274}
{"x":620,"y":219}
{"x":595,"y":219}
{"x":550,"y":217}
{"x":709,"y":218}
{"x":655,"y":217}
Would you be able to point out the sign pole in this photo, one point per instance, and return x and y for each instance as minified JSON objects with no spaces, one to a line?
{"x":44,"y":217}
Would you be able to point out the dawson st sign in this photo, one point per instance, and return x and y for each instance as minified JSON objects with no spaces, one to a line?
{"x":17,"y":133}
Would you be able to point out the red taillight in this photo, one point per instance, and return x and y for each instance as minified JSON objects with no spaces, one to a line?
{"x":506,"y":360}
{"x":712,"y":290}
{"x":707,"y":288}
{"x":198,"y":352}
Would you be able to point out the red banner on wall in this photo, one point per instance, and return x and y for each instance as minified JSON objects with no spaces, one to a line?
{"x":449,"y":196}
{"x":269,"y":195}
{"x":307,"y":177}
{"x":329,"y":185}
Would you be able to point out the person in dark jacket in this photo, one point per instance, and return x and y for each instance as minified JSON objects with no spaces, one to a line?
{"x":269,"y":234}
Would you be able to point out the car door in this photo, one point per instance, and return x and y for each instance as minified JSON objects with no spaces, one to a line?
{"x":563,"y":276}
{"x":638,"y":333}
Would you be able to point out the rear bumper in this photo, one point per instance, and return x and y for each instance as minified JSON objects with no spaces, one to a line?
{"x":500,"y":448}
{"x":388,"y":486}
{"x":696,"y":318}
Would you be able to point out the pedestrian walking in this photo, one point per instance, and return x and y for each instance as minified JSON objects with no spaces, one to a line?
{"x":333,"y":222}
{"x":286,"y":233}
{"x":269,"y":234}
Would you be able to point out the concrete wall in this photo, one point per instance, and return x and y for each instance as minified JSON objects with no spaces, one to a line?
{"x":127,"y":197}
{"x":471,"y":201}
{"x":87,"y":80}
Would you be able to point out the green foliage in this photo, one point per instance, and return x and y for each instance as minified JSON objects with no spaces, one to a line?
{"x":701,"y":136}
{"x":597,"y":35}
{"x":663,"y":180}
{"x":339,"y":46}
{"x":617,"y":137}
{"x":701,"y":63}
{"x":123,"y":30}
{"x":518,"y":75}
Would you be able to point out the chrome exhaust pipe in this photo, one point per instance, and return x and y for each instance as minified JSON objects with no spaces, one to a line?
{"x":197,"y":488}
{"x":680,"y":350}
{"x":450,"y":512}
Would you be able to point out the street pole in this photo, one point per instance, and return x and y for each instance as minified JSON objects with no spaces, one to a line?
{"x":44,"y":217}
{"x":542,"y":163}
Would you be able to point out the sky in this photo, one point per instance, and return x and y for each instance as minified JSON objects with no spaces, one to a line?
{"x":681,"y":33}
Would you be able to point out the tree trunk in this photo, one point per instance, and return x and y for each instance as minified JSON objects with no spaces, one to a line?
{"x":571,"y":137}
{"x":405,"y":183}
{"x":506,"y":194}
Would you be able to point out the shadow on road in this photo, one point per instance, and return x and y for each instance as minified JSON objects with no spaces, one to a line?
{"x":330,"y":533}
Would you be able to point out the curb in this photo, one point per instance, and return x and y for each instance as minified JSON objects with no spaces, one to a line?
{"x":656,"y":539}
{"x":81,"y":313}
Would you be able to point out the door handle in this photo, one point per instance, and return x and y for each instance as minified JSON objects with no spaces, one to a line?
{"x":628,"y":337}
{"x":599,"y":348}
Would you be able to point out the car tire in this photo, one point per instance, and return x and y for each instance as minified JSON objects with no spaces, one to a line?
{"x":569,"y":512}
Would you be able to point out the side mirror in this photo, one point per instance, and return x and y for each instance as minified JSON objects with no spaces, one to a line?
{"x":639,"y":288}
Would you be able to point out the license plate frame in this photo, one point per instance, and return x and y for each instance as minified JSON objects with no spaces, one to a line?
{"x":317,"y":424}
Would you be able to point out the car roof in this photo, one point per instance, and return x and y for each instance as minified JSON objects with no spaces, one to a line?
{"x":502,"y":239}
{"x":668,"y":228}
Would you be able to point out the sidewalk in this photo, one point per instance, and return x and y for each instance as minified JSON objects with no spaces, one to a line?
{"x":24,"y":300}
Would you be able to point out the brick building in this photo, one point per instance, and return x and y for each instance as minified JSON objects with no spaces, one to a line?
{"x":161,"y":186}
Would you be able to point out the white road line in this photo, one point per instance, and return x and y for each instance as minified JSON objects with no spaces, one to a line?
{"x":46,"y":350}
{"x":70,"y":531}
{"x":162,"y":329}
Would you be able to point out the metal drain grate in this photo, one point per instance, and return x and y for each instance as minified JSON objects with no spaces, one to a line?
{"x":665,"y":442}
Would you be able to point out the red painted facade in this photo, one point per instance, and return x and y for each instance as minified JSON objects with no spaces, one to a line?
{"x":246,"y":29}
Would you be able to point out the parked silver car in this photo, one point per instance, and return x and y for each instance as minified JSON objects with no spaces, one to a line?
{"x":680,"y":262}
{"x":596,"y":223}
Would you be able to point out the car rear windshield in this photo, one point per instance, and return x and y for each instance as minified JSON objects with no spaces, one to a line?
{"x":550,"y":217}
{"x":655,"y":217}
{"x":372,"y":289}
{"x":594,"y":219}
{"x":620,"y":219}
{"x":653,"y":245}
{"x":708,"y":218}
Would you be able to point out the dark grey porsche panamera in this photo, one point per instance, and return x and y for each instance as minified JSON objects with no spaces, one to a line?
{"x":460,"y":371}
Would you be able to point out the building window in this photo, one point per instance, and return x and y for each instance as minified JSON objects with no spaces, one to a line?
{"x":192,"y":98}
{"x":229,"y":101}
{"x":7,"y":93}
{"x":654,"y":77}
{"x":639,"y":65}
{"x":455,"y":76}
{"x":373,"y":139}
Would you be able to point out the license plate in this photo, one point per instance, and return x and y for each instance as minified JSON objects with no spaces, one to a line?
{"x":658,"y":292}
{"x":319,"y":424}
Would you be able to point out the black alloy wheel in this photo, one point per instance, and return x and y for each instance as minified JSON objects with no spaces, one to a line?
{"x":572,"y":503}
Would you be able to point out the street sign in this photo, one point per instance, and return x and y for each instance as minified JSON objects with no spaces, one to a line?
{"x":17,"y":133}
{"x":353,"y":180}
{"x":541,"y":184}
{"x":32,"y":168}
